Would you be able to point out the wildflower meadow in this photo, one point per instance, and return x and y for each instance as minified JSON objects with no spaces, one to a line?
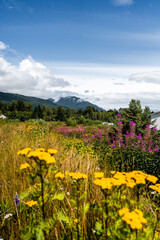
{"x":79,"y":183}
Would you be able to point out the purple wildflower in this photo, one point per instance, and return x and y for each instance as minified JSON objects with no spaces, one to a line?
{"x":16,"y":200}
{"x":120,"y":122}
{"x":132,"y":123}
{"x":119,"y":115}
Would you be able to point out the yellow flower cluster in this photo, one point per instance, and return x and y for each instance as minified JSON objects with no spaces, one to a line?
{"x":130,"y":179}
{"x":77,"y":175}
{"x":156,"y":187}
{"x":24,"y":151}
{"x":59,"y":175}
{"x":31,"y":203}
{"x":135,"y":177}
{"x":43,"y":156}
{"x":24,"y":166}
{"x":39,"y":153}
{"x":104,"y":183}
{"x":134,"y":218}
{"x":98,"y":175}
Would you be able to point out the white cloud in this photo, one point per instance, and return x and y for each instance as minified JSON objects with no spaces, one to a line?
{"x":148,"y":77}
{"x":29,"y":77}
{"x":122,"y":2}
{"x":107,"y":85}
{"x":110,"y":86}
{"x":3,"y":46}
{"x":121,"y":100}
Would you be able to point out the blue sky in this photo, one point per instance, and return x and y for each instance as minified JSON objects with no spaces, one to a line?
{"x":77,"y":44}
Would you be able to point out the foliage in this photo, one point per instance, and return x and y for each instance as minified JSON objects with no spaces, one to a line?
{"x":67,"y":194}
{"x":134,"y":113}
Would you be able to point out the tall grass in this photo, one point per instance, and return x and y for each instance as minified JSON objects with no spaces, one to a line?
{"x":73,"y":208}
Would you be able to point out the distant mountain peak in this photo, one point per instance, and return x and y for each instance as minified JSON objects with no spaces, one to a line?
{"x":76,"y":103}
{"x":73,"y":102}
{"x":72,"y":99}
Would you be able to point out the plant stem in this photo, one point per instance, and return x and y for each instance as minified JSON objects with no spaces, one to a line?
{"x":154,"y":231}
{"x":77,"y":210}
{"x":42,"y":191}
{"x":106,"y":211}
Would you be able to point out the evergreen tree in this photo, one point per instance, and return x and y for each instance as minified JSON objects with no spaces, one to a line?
{"x":35,"y":113}
{"x":40,"y":114}
{"x":20,"y":106}
{"x":61,"y":114}
{"x":134,"y":113}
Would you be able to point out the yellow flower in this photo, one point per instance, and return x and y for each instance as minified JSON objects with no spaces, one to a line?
{"x":98,"y":175}
{"x":77,"y":175}
{"x":43,"y":156}
{"x":123,"y":211}
{"x":40,"y":150}
{"x":130,"y":183}
{"x":50,"y":160}
{"x":59,"y":175}
{"x":24,"y":166}
{"x":104,"y":183}
{"x":33,"y":154}
{"x":31,"y":203}
{"x":24,"y":151}
{"x":155,"y":187}
{"x":76,"y":220}
{"x":134,"y":218}
{"x":136,"y":225}
{"x":152,"y":178}
{"x":118,"y":182}
{"x":52,"y":151}
{"x":107,"y":183}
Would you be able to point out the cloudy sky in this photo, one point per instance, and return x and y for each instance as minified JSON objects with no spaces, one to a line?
{"x":105,"y":51}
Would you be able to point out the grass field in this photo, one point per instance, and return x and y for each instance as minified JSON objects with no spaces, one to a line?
{"x":77,"y":192}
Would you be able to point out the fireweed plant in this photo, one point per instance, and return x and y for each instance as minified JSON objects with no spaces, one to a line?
{"x":123,"y":152}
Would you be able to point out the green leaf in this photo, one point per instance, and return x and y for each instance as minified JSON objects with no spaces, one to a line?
{"x":83,"y":195}
{"x":99,"y":228}
{"x":73,"y":202}
{"x":63,"y":217}
{"x":86,"y":208}
{"x":59,"y":196}
{"x":24,"y":195}
{"x":40,"y":235}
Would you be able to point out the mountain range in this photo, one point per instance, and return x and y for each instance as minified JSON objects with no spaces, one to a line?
{"x":71,"y":101}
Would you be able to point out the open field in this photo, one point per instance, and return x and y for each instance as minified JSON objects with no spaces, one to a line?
{"x":99,"y":184}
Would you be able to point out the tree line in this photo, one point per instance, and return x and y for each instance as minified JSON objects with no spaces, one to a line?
{"x":25,"y":111}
